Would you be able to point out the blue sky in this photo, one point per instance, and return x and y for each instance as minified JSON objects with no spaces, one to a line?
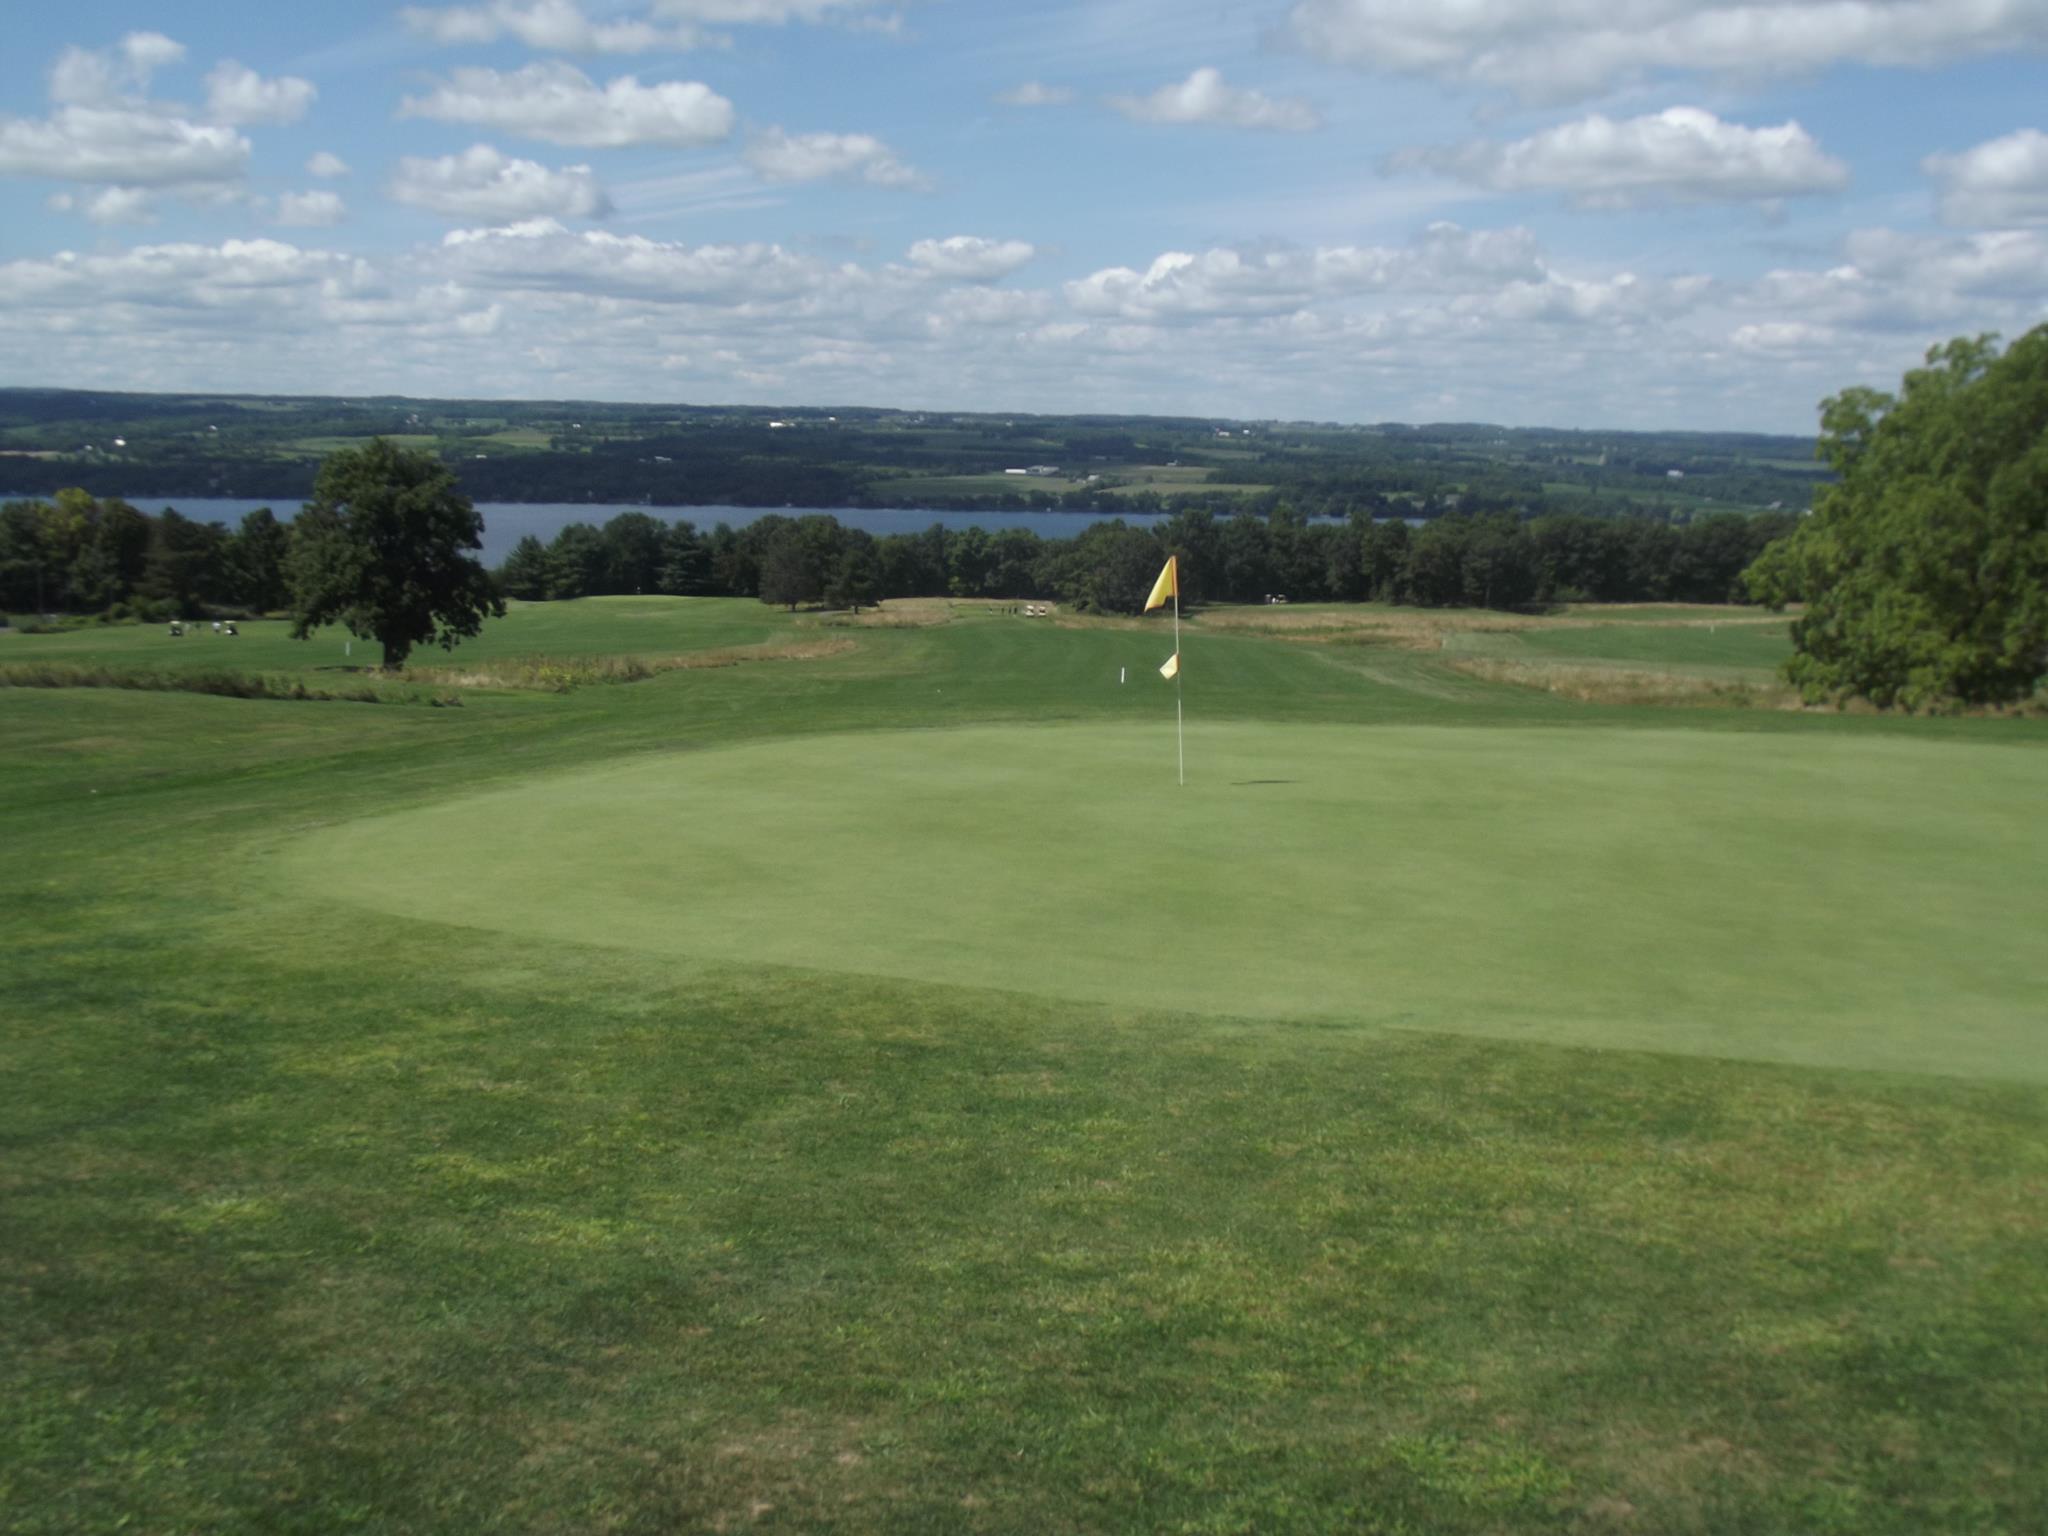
{"x":1621,"y":213}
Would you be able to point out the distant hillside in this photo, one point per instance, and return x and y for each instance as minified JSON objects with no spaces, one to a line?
{"x":610,"y":454}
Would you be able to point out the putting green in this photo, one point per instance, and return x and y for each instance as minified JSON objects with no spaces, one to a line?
{"x":1861,"y":901}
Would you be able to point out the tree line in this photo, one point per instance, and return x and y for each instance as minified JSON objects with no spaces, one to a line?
{"x":80,"y":554}
{"x":1469,"y":560}
{"x":77,"y":553}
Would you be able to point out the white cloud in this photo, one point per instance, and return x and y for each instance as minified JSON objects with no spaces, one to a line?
{"x":111,"y":205}
{"x":556,"y":26}
{"x":1682,"y":154}
{"x":2010,"y":264}
{"x":780,"y":156}
{"x":327,"y":166}
{"x":103,"y":131}
{"x":122,"y":146}
{"x":540,"y":254}
{"x":559,"y":103}
{"x":89,"y":78}
{"x":481,"y":183}
{"x":310,"y":210}
{"x":759,"y":13}
{"x":237,"y":94}
{"x":1204,"y":98}
{"x":970,"y":258}
{"x":2002,"y":183}
{"x":223,"y":280}
{"x":1488,"y":317}
{"x":1179,"y":286}
{"x":1776,"y":338}
{"x":1034,"y":94}
{"x":1568,"y":49}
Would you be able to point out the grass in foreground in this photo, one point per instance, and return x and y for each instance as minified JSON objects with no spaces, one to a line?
{"x":319,"y":1218}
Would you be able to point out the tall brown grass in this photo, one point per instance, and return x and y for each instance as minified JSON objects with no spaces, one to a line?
{"x":226,"y":685}
{"x":562,"y":674}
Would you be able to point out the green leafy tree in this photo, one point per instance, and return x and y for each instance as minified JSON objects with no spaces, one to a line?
{"x":1112,"y":568}
{"x":385,"y":548}
{"x":1924,"y":570}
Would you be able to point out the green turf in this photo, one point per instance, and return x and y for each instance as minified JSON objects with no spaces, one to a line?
{"x":1880,"y":897}
{"x":337,"y":1205}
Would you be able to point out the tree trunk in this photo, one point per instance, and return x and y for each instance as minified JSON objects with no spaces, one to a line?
{"x":395,"y":652}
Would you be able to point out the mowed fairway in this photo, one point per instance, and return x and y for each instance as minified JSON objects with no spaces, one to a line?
{"x":1862,"y":902}
{"x":852,"y":1088}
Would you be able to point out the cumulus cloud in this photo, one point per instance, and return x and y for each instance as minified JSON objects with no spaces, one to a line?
{"x":97,"y":77}
{"x":102,"y":130}
{"x":112,"y":205}
{"x":760,"y":13}
{"x":557,"y":26}
{"x":122,"y":146}
{"x":559,"y":103}
{"x":543,"y":254}
{"x":327,"y":166}
{"x":225,"y":279}
{"x":1569,"y":49}
{"x":1777,"y":338}
{"x":1180,"y":285}
{"x":969,"y":258}
{"x":482,"y":184}
{"x":237,"y":94}
{"x":1034,"y":94}
{"x":1682,"y":154}
{"x":1204,"y":98}
{"x":1483,"y":323}
{"x":310,"y":210}
{"x":779,"y":156}
{"x":2002,"y":183}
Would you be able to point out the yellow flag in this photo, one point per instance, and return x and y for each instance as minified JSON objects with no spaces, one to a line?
{"x":1172,"y":667}
{"x":1168,"y":585}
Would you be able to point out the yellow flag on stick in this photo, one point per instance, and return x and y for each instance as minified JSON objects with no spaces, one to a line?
{"x":1168,"y":585}
{"x":1172,"y":667}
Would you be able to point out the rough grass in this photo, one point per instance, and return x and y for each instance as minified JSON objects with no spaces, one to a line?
{"x":1428,"y":628}
{"x":1631,"y":686}
{"x":222,"y":684}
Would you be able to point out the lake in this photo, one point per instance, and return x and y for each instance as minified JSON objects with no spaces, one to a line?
{"x":507,"y":522}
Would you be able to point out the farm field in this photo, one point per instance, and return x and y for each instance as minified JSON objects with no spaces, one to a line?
{"x":860,"y":1091}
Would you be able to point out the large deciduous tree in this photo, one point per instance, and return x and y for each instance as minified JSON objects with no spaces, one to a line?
{"x":1925,"y":569}
{"x":384,"y":547}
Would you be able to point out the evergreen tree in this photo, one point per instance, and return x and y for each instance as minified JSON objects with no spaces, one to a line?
{"x":256,"y":557}
{"x":528,"y":573}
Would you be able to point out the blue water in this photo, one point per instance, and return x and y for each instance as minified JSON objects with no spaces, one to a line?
{"x":507,"y":522}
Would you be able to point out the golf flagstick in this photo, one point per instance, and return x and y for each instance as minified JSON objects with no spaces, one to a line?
{"x":1168,"y":585}
{"x":1180,"y":740}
